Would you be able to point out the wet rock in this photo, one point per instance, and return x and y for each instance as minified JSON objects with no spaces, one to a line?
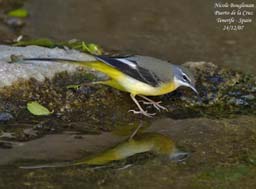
{"x":221,"y":92}
{"x":87,"y":90}
{"x":5,"y":116}
{"x":238,"y":101}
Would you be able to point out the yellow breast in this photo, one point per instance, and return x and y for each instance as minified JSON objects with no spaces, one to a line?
{"x":126,"y":83}
{"x":139,"y":88}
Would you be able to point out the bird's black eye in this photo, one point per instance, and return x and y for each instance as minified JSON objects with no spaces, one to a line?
{"x":185,"y":78}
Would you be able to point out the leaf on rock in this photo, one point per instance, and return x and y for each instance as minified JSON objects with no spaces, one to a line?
{"x":37,"y":109}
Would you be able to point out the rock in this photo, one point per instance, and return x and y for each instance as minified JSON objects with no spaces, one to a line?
{"x":11,"y":72}
{"x":5,"y":116}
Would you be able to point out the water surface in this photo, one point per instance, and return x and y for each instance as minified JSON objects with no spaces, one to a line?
{"x":177,"y":31}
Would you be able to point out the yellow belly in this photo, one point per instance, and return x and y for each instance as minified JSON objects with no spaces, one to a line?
{"x":137,"y":87}
{"x":126,"y":83}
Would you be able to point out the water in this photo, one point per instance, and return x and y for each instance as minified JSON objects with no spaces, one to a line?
{"x":178,"y":31}
{"x":222,"y":155}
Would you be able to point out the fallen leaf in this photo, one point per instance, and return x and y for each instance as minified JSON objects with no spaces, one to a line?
{"x":37,"y":109}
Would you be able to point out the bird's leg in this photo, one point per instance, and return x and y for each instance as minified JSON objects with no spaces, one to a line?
{"x":155,"y":104}
{"x":140,"y":108}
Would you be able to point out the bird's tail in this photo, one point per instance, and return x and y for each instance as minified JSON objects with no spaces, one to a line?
{"x":97,"y":65}
{"x":50,"y":59}
{"x":61,"y":60}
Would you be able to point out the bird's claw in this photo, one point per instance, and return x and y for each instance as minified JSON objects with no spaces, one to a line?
{"x":155,"y":104}
{"x":145,"y":113}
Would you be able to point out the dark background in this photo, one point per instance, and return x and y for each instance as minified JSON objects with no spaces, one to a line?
{"x":177,"y":31}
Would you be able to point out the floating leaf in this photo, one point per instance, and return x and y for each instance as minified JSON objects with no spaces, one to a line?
{"x":20,"y":13}
{"x":37,"y":109}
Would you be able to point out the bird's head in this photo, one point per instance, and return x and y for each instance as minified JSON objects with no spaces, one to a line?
{"x":183,"y":77}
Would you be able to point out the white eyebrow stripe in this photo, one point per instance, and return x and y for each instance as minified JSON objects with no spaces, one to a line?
{"x":129,"y":63}
{"x":185,"y":75}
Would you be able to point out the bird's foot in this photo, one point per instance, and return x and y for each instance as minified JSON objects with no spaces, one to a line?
{"x":155,"y":104}
{"x":145,"y":113}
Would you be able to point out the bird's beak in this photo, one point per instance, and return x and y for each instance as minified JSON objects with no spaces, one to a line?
{"x":194,"y":89}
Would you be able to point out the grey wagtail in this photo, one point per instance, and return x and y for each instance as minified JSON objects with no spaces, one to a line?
{"x":138,"y":75}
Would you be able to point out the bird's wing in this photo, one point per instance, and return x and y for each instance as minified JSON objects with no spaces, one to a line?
{"x":132,"y":68}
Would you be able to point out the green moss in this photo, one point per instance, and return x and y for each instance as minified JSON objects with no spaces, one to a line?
{"x":227,"y":174}
{"x":39,"y":42}
{"x":73,"y":44}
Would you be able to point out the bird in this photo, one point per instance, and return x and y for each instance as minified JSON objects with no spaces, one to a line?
{"x":138,"y":75}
